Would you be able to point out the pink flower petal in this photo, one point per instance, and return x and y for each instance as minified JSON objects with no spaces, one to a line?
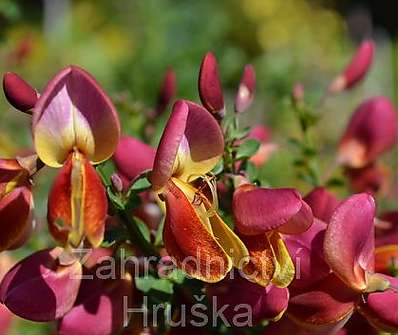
{"x":306,"y":251}
{"x":210,"y":89}
{"x":74,"y":112}
{"x":322,"y":203}
{"x":99,"y":307}
{"x":39,"y":289}
{"x":300,"y":222}
{"x":371,"y":131}
{"x":266,"y":303}
{"x":191,"y":145}
{"x":259,"y":210}
{"x":327,"y":306}
{"x":15,"y":217}
{"x":245,"y":94}
{"x":349,"y":240}
{"x":133,"y":157}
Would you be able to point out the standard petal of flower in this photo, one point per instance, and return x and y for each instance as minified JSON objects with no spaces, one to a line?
{"x":132,"y":157}
{"x":328,"y":304}
{"x":210,"y":90}
{"x":380,"y":308}
{"x":166,"y":154}
{"x":189,"y":241}
{"x":259,"y":210}
{"x":100,"y":309}
{"x":322,"y":202}
{"x":74,"y":112}
{"x":191,"y":145}
{"x":39,"y":289}
{"x":77,"y":204}
{"x":19,"y":93}
{"x":371,"y":131}
{"x":349,"y":240}
{"x":306,"y":251}
{"x":300,"y":222}
{"x":15,"y":217}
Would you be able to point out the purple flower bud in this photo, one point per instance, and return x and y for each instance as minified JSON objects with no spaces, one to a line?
{"x":19,"y":93}
{"x":245,"y":94}
{"x":167,"y":91}
{"x":210,"y":89}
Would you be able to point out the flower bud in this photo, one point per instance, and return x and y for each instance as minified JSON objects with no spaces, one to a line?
{"x":371,"y":131}
{"x":167,"y":91}
{"x":245,"y":94}
{"x":356,"y":69}
{"x":117,"y":182}
{"x":298,"y":93}
{"x":210,"y":90}
{"x":19,"y":93}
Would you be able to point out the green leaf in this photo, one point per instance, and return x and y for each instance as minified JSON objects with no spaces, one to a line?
{"x":238,"y":134}
{"x":105,"y":171}
{"x":247,"y":149}
{"x":115,"y":198}
{"x":148,"y":283}
{"x":218,"y":168}
{"x":177,"y":276}
{"x":142,"y":184}
{"x":143,"y":228}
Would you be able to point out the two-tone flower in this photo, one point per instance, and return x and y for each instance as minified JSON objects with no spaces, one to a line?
{"x":74,"y":126}
{"x":194,"y":234}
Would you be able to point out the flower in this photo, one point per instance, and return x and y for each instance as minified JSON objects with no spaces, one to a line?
{"x":16,"y":204}
{"x":75,"y":125}
{"x":371,"y":131}
{"x":194,"y":234}
{"x":261,"y":216}
{"x":352,"y":285}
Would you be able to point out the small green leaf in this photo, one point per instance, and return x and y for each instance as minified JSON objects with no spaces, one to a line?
{"x":247,"y":149}
{"x":148,"y":283}
{"x":218,"y":168}
{"x":143,"y":228}
{"x":105,"y":170}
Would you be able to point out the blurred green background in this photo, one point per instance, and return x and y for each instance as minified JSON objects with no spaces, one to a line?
{"x":128,"y":44}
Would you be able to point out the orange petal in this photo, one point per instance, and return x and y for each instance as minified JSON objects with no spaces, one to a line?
{"x":261,"y":267}
{"x":77,"y":204}
{"x":189,"y":241}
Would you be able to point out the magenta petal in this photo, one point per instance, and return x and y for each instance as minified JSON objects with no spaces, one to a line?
{"x":328,"y":305}
{"x":245,"y":94}
{"x":5,"y":320}
{"x":74,"y":112}
{"x":191,"y":145}
{"x":167,"y":91}
{"x":259,"y":210}
{"x":306,"y":251}
{"x":133,"y":157}
{"x":381,"y":308}
{"x":371,"y":131}
{"x":168,"y":146}
{"x":349,"y":240}
{"x":99,"y":307}
{"x":210,"y":89}
{"x":38,"y":288}
{"x":300,"y":222}
{"x":19,"y":93}
{"x":322,"y":203}
{"x":266,"y":303}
